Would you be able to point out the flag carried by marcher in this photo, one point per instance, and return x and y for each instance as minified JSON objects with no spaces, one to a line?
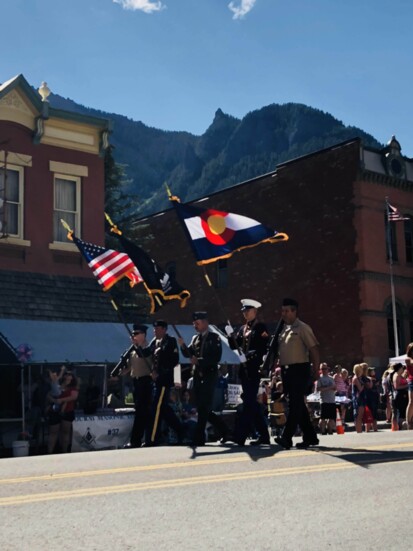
{"x":394,"y":215}
{"x":160,"y":286}
{"x":108,"y":266}
{"x":215,"y":234}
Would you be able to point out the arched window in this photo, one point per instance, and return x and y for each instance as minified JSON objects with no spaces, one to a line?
{"x":390,"y":328}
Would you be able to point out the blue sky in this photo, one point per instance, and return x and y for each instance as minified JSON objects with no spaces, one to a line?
{"x":173,"y":63}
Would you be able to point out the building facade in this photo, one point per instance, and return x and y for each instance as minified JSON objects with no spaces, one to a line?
{"x":51,"y":168}
{"x":332,"y":205}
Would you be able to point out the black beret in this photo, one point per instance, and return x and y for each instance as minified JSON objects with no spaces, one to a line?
{"x":289,"y":302}
{"x":199,"y":316}
{"x":160,"y":323}
{"x":139,"y":328}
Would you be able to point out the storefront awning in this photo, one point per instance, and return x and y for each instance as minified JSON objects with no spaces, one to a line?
{"x":56,"y":342}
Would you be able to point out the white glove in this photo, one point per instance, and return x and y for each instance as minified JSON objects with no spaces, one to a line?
{"x":229,"y":330}
{"x":242,"y":357}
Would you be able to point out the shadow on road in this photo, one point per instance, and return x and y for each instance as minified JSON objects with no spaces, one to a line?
{"x":358,"y":456}
{"x":365,"y":457}
{"x":255,"y":453}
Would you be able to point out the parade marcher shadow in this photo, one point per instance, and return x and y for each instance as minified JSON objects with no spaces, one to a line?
{"x":365,"y":457}
{"x":255,"y":453}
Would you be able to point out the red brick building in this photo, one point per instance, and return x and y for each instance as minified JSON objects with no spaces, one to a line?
{"x":51,"y":167}
{"x":332,"y":206}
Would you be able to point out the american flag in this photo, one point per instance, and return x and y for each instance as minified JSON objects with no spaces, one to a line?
{"x":107,"y":265}
{"x":394,"y":215}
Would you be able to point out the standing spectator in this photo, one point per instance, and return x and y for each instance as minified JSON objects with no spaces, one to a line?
{"x":297,"y":344}
{"x":398,"y":388}
{"x":358,"y":396}
{"x":386,"y":394}
{"x":327,"y":389}
{"x":372,"y":398}
{"x":60,"y":422}
{"x":409,"y":367}
{"x":342,"y":388}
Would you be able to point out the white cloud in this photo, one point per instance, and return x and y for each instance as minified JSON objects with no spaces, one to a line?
{"x":241,"y":10}
{"x":147,"y":6}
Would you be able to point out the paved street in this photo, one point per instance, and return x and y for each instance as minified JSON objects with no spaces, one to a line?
{"x":354,"y":492}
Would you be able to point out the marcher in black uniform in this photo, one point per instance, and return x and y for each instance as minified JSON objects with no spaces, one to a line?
{"x":297,"y":345}
{"x":252,"y":340}
{"x":205,"y":352}
{"x":140,"y":369}
{"x":165,"y":356}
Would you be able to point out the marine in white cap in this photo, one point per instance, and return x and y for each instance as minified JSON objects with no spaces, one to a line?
{"x":252,"y":340}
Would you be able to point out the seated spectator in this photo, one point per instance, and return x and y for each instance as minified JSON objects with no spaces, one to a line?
{"x":189,"y":417}
{"x":92,"y":395}
{"x":279,"y":406}
{"x":220,"y":392}
{"x":176,"y":406}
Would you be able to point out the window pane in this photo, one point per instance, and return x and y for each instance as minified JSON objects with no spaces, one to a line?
{"x":12,"y":219}
{"x":12,"y":185}
{"x":59,"y":232}
{"x":65,"y":194}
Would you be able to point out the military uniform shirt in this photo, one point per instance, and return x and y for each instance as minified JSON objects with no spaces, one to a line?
{"x":140,"y":367}
{"x":294,"y":343}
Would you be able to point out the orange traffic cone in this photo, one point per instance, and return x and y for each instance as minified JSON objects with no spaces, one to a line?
{"x":339,"y":424}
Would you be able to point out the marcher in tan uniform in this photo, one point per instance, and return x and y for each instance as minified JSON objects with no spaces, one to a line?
{"x":296,"y":346}
{"x":140,"y":370}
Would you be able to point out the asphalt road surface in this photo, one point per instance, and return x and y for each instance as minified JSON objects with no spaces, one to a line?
{"x":353,"y":492}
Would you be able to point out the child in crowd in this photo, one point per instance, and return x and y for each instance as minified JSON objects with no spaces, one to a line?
{"x":55,"y":388}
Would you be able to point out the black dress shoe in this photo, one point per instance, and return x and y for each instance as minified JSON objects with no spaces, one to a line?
{"x":260,"y":442}
{"x":283,"y":442}
{"x":304,"y":445}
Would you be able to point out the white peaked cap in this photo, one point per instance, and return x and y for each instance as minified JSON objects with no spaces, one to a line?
{"x":250,"y":303}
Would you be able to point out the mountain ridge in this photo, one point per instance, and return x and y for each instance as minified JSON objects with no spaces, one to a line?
{"x":230,"y":151}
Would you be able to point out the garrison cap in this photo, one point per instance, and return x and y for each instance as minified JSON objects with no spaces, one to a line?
{"x":290,"y":302}
{"x":199,"y":316}
{"x":160,"y":323}
{"x":248,"y":303}
{"x":139,"y":328}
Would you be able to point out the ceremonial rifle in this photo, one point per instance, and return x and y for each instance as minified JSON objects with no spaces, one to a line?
{"x":272,"y":348}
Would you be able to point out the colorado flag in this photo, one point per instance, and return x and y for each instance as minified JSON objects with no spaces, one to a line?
{"x":216,"y":234}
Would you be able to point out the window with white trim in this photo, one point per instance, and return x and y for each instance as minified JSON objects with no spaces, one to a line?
{"x":11,"y":201}
{"x":66,"y":206}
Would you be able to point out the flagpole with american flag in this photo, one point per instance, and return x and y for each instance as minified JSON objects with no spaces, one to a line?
{"x":393,"y":215}
{"x":108,"y":266}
